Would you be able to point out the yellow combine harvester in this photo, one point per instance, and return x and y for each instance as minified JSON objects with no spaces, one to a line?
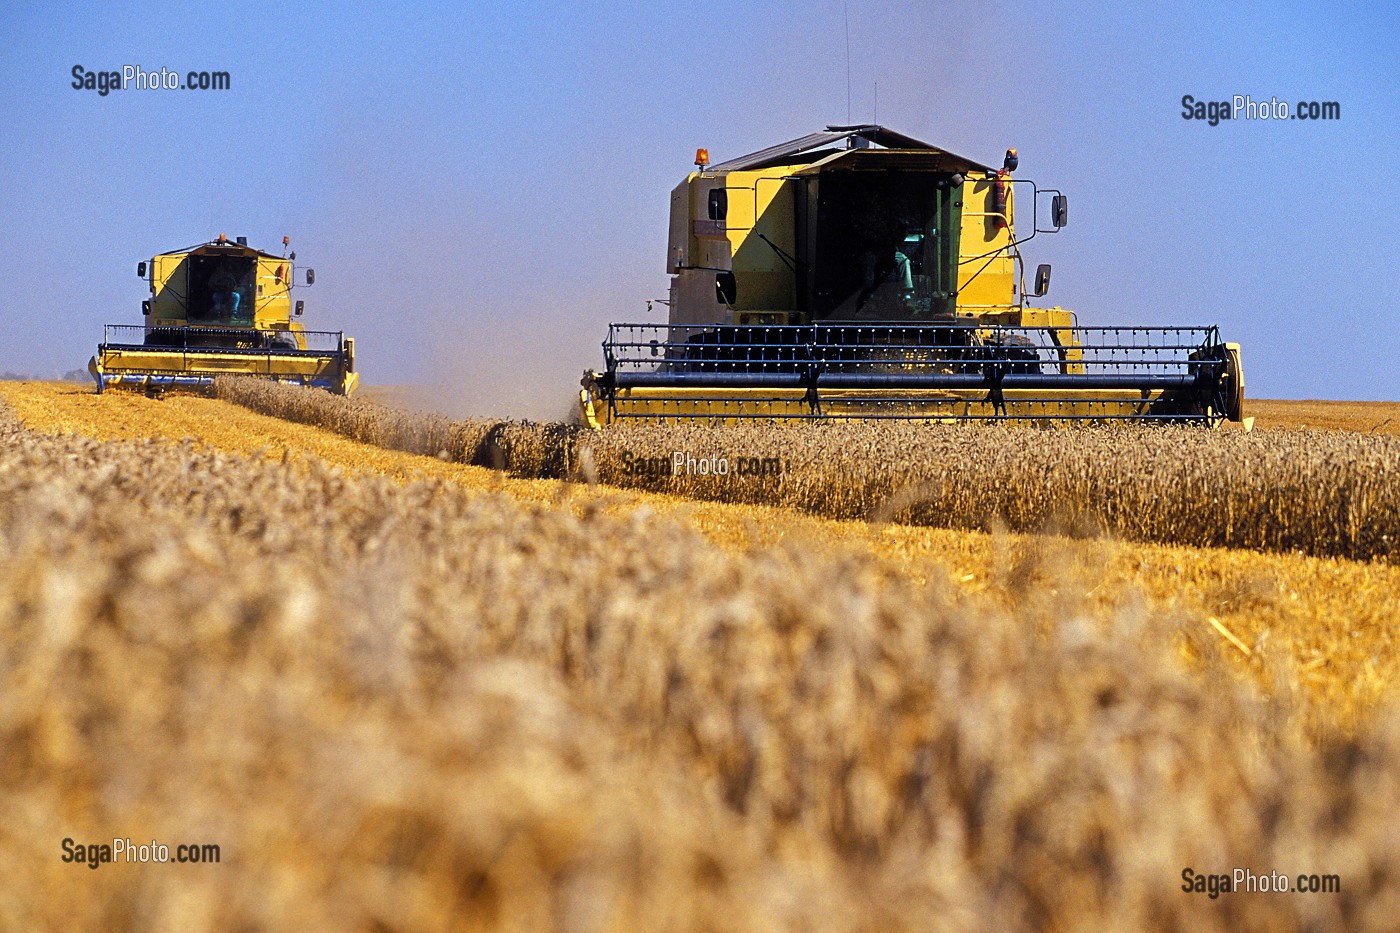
{"x":222,"y":308}
{"x":858,"y":273}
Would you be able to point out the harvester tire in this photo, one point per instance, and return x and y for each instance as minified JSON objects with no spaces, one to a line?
{"x":1234,"y":374}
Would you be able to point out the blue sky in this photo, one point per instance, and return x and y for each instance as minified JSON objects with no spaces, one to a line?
{"x":482,"y":189}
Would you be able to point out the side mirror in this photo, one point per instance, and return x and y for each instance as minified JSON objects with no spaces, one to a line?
{"x":140,"y":270}
{"x":310,"y":276}
{"x":1059,"y":210}
{"x":1042,"y":280}
{"x":146,"y":308}
{"x":301,"y":306}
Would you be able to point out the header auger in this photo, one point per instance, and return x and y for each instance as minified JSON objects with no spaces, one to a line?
{"x":861,"y":274}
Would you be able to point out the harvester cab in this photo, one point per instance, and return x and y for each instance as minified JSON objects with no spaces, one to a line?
{"x":858,"y":273}
{"x":222,"y":308}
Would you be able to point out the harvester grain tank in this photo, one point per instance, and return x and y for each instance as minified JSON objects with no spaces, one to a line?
{"x":858,"y":273}
{"x":222,"y":308}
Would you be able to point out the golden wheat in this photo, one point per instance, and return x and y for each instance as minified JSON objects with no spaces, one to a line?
{"x":1325,"y":493}
{"x":1320,"y":630}
{"x":418,"y":707}
{"x":1363,"y":417}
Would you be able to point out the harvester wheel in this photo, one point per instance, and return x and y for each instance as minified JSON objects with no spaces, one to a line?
{"x":1234,"y":388}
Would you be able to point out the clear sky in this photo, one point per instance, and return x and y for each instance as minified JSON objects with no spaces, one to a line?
{"x":482,"y":188}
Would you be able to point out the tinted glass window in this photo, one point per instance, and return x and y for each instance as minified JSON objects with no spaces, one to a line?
{"x":719,"y":203}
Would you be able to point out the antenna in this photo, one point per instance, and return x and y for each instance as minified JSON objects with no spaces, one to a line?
{"x":876,"y":119}
{"x":847,"y":7}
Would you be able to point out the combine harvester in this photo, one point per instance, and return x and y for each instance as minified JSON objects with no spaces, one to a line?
{"x":221,"y":308}
{"x":860,"y":274}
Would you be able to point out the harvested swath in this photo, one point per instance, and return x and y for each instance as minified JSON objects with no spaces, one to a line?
{"x":420,"y":707}
{"x":1322,"y":493}
{"x":1363,"y":417}
{"x":524,"y":448}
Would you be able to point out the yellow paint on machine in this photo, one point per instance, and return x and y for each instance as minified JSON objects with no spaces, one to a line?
{"x":222,"y":308}
{"x":932,"y":406}
{"x":858,"y":230}
{"x":131,"y":366}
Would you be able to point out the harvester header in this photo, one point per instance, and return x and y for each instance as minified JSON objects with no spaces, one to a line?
{"x":217,"y":308}
{"x":860,"y":273}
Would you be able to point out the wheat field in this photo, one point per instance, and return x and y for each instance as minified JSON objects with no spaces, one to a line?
{"x":1324,"y":627}
{"x":1320,"y":492}
{"x":405,"y":691}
